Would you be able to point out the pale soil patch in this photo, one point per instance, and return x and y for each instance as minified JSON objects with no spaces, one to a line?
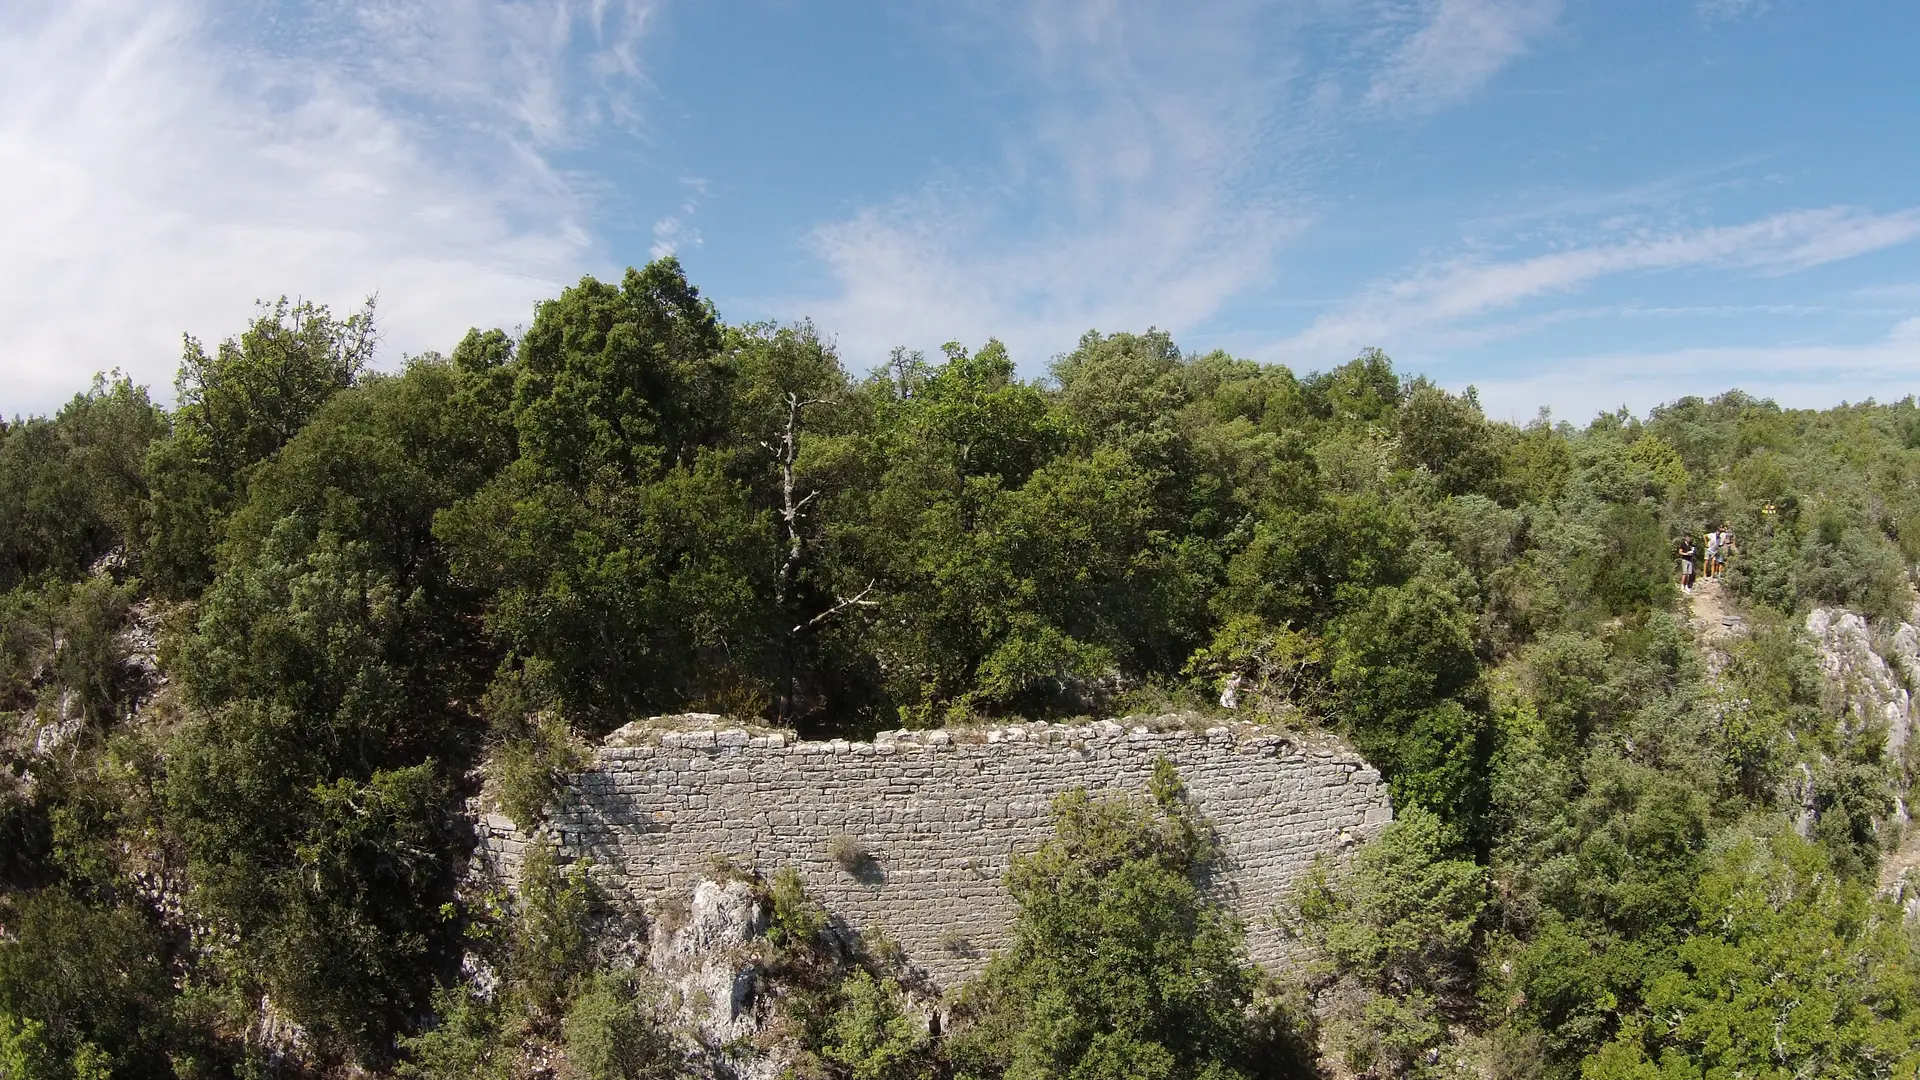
{"x":1712,"y":610}
{"x":1896,"y":864}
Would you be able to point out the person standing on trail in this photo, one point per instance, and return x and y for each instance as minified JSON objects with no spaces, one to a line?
{"x":1230,"y":694}
{"x":1726,"y":546}
{"x":1713,"y":552}
{"x":1687,"y":553}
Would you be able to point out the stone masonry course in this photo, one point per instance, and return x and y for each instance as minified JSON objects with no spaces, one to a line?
{"x":930,"y":821}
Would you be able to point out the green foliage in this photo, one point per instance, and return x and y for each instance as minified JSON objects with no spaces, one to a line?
{"x":552,"y":935}
{"x":528,"y":769}
{"x":1120,"y":965}
{"x":313,"y":793}
{"x":24,"y":1052}
{"x":856,"y":1030}
{"x":368,"y":585}
{"x":1403,"y":663}
{"x":841,"y":1006}
{"x":84,"y":986}
{"x":61,"y":650}
{"x":1853,"y":794}
{"x":237,"y":407}
{"x":465,"y":1043}
{"x":1836,"y":563}
{"x":795,"y":923}
{"x":1626,"y":567}
{"x":1448,"y":437}
{"x":1795,"y":972}
{"x":1405,"y":914}
{"x":1395,"y":933}
{"x":336,"y":887}
{"x":72,"y":488}
{"x":1282,"y":670}
{"x":613,"y":1033}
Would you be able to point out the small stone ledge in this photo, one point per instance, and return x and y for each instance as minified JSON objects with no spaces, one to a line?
{"x":1171,"y":729}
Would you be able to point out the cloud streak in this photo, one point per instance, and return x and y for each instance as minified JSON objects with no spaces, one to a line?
{"x":1126,"y":198}
{"x":162,"y":166}
{"x":1168,"y":162}
{"x":1450,"y":294}
{"x":1730,"y":10}
{"x":1805,"y":376}
{"x":1459,"y":47}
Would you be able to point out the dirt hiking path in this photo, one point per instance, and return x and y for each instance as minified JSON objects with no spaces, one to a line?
{"x":1712,"y":612}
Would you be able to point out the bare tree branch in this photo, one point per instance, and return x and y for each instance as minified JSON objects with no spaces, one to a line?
{"x":858,"y":599}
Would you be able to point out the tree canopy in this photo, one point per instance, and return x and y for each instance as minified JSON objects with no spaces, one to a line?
{"x":258,"y":648}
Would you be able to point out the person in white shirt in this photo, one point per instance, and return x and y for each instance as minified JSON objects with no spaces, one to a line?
{"x":1230,"y":695}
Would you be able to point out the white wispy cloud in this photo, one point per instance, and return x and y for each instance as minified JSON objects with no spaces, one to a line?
{"x":163,"y":163}
{"x":1447,"y":296}
{"x":1729,"y":10}
{"x":1457,"y":47}
{"x":676,"y":232}
{"x":1124,"y":200}
{"x":1796,"y":375}
{"x":1907,"y":291}
{"x":1167,"y":162}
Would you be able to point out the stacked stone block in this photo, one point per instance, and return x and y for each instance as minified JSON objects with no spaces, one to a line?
{"x":938,"y":816}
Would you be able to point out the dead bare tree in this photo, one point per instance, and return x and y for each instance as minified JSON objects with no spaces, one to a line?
{"x":786,"y":450}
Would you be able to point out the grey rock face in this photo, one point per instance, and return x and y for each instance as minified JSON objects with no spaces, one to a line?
{"x":1869,"y":682}
{"x":709,"y":965}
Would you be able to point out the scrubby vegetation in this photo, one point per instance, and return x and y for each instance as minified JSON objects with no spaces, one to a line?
{"x":258,"y":649}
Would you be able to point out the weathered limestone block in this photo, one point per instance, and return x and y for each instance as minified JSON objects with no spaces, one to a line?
{"x":941,"y":814}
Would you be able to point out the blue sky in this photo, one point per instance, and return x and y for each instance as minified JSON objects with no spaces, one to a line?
{"x":1564,"y":203}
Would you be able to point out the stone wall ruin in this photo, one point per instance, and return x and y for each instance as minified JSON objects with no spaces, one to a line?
{"x":938,"y":815}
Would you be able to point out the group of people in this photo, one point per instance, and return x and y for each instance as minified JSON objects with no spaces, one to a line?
{"x":1719,"y":545}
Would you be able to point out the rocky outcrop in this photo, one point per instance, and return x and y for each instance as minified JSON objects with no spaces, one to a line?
{"x":1871,"y":677}
{"x":709,"y":959}
{"x":1872,"y":682}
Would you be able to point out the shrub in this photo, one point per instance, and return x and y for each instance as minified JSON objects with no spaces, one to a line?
{"x":796,"y":922}
{"x":84,"y":983}
{"x":867,"y":1036}
{"x":1120,"y":964}
{"x":528,"y":769}
{"x":614,"y":1032}
{"x":1396,"y":930}
{"x":24,"y":1051}
{"x":465,"y":1044}
{"x":1282,"y":668}
{"x":1793,"y":971}
{"x":848,"y":853}
{"x":552,"y":930}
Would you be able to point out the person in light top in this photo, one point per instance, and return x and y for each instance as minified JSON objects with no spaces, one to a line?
{"x":1230,"y":693}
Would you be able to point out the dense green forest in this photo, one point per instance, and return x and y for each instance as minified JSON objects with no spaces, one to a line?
{"x":257,"y":651}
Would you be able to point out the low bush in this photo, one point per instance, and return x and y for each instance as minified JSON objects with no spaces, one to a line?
{"x":848,"y":853}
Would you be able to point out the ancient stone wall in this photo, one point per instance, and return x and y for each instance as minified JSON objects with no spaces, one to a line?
{"x":939,"y":815}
